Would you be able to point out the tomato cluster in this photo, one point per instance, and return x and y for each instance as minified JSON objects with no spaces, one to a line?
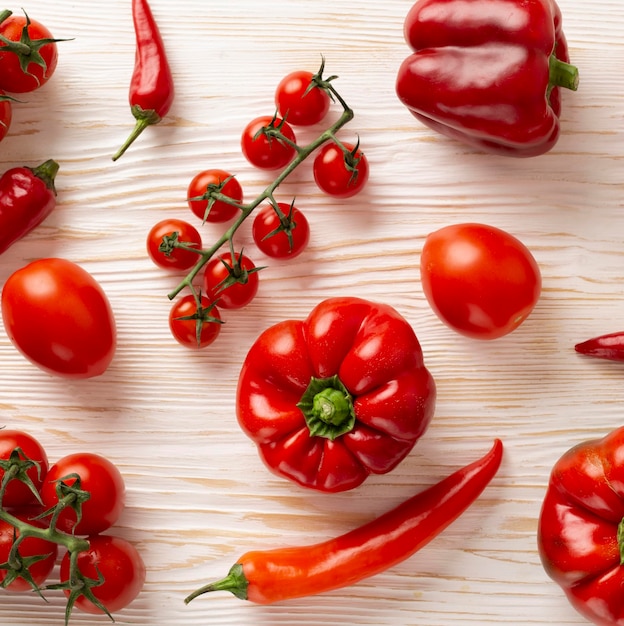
{"x":66,"y":505}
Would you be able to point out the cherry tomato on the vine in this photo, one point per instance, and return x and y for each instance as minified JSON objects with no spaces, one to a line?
{"x":214,"y":180}
{"x":262,"y":148}
{"x":231,"y":282}
{"x":300,"y":100}
{"x":281,"y":237}
{"x":161,"y":241}
{"x":480,"y":280}
{"x":100,"y":478}
{"x":120,"y":566}
{"x":191,"y":327}
{"x":338,"y":173}
{"x":6,"y":114}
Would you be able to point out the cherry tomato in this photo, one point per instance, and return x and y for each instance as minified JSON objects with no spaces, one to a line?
{"x":300,"y":100}
{"x":120,"y":565}
{"x":6,"y":115}
{"x":214,"y":180}
{"x":43,"y":58}
{"x":17,"y":493}
{"x":480,"y":280}
{"x":192,"y":328}
{"x":57,"y":315}
{"x":164,"y":254}
{"x":231,"y":282}
{"x":39,"y":570}
{"x":100,"y":478}
{"x":279,"y":237}
{"x":338,"y":174}
{"x":265,"y":150}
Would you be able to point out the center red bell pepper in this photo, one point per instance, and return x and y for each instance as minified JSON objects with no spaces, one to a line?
{"x":488,"y":72}
{"x":338,"y":396}
{"x":581,"y":528}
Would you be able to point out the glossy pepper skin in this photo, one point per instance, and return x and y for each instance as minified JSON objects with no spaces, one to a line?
{"x":609,"y":346}
{"x":581,"y":528}
{"x":487,"y":72}
{"x":268,"y":576}
{"x":338,"y":396}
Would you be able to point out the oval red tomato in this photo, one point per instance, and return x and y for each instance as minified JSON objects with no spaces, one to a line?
{"x":264,"y":150}
{"x":6,"y":114}
{"x":338,"y":174}
{"x":480,"y":280}
{"x":174,"y":258}
{"x":300,"y":103}
{"x":57,"y":315}
{"x":231,"y":281}
{"x":214,"y":180}
{"x":279,"y":237}
{"x":193,"y":329}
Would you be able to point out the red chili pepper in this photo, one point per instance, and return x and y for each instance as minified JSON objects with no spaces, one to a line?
{"x":610,"y":346}
{"x":151,"y":87}
{"x":284,"y":573}
{"x":27,"y":197}
{"x":488,"y":72}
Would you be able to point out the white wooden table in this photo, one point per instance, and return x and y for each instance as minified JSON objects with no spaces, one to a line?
{"x":198,"y":495}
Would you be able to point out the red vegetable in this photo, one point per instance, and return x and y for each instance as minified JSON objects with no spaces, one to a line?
{"x":336,"y":397}
{"x":6,"y":114}
{"x":581,"y":528}
{"x":151,"y":87}
{"x":284,"y":573}
{"x":488,"y":73}
{"x":27,"y":197}
{"x":610,"y":346}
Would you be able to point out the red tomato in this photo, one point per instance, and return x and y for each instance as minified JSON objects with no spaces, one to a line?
{"x":280,"y":237}
{"x":264,"y":150}
{"x":214,"y":180}
{"x":119,"y":564}
{"x":57,"y":315}
{"x":100,"y":478}
{"x":338,"y":174}
{"x":17,"y":493}
{"x":479,"y":280}
{"x":300,"y":100}
{"x":192,"y":328}
{"x":43,"y":58}
{"x":164,"y":254}
{"x":231,"y":283}
{"x":39,"y":570}
{"x":6,"y":115}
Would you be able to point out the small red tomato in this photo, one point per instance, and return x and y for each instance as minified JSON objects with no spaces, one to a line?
{"x":231,"y":282}
{"x":262,"y":148}
{"x":100,"y":478}
{"x":120,"y":566}
{"x":191,"y":327}
{"x":300,"y":100}
{"x":214,"y":180}
{"x":281,"y":237}
{"x":339,"y":174}
{"x":6,"y":115}
{"x":479,"y":280}
{"x":162,"y":240}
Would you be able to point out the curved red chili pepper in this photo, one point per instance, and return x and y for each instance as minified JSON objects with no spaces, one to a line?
{"x":610,"y":347}
{"x":284,"y":573}
{"x":151,"y":87}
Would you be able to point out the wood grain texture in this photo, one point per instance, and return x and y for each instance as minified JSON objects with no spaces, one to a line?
{"x":198,"y":495}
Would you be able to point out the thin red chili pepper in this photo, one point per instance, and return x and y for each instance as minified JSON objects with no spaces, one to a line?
{"x":151,"y":87}
{"x":273,"y":575}
{"x":610,"y":347}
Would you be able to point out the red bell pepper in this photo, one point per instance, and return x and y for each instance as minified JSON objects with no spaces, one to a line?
{"x":336,"y":397}
{"x":488,"y":72}
{"x":581,"y":528}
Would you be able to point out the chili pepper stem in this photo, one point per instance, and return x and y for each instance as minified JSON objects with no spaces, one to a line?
{"x":47,"y":172}
{"x":562,"y":74}
{"x":143,"y":120}
{"x":235,"y":582}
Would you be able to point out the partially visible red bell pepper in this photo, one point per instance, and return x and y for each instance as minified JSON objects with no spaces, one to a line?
{"x":336,"y":397}
{"x":488,"y":72}
{"x":581,"y":528}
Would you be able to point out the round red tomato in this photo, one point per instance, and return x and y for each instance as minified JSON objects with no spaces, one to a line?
{"x":231,"y":282}
{"x":300,"y":100}
{"x":100,"y":478}
{"x":214,"y":180}
{"x":57,"y":315}
{"x":17,"y":493}
{"x":265,"y":150}
{"x":43,"y":57}
{"x":39,"y":570}
{"x":281,"y":237}
{"x":480,"y":280}
{"x":163,"y":251}
{"x":192,"y":328}
{"x":6,"y":115}
{"x":339,"y":174}
{"x":120,"y":565}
